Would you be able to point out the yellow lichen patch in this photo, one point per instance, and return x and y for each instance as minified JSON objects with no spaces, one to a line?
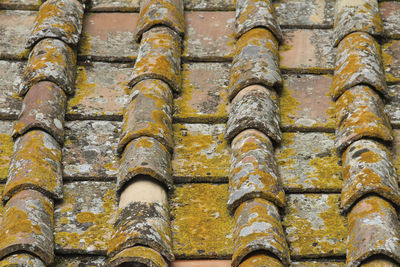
{"x":6,"y":151}
{"x":289,"y":106}
{"x":389,"y":61}
{"x":85,"y":46}
{"x":200,"y":151}
{"x":314,"y":227}
{"x":84,"y":89}
{"x":201,"y":225}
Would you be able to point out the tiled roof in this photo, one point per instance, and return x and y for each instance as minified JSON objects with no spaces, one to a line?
{"x":201,"y":133}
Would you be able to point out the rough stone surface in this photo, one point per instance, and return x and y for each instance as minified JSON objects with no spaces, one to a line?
{"x":305,"y":103}
{"x":43,"y":108}
{"x":108,"y":37}
{"x":391,"y":21}
{"x":308,"y":162}
{"x":138,"y":255}
{"x":360,"y":114}
{"x":201,"y":225}
{"x":314,"y":228}
{"x":21,"y":259}
{"x":367,"y":169}
{"x":141,"y":223}
{"x":204,"y":93}
{"x":145,"y":156}
{"x":356,"y":16}
{"x":61,"y":19}
{"x":253,"y":172}
{"x":260,"y":260}
{"x":251,"y":14}
{"x":10,"y":76}
{"x":319,"y":57}
{"x":358,"y":62}
{"x":159,"y":58}
{"x":90,"y":149}
{"x":256,"y":108}
{"x":167,"y":13}
{"x":36,"y":164}
{"x":255,"y":62}
{"x":200,"y":153}
{"x":83,"y":220}
{"x":391,"y":60}
{"x":100,"y":91}
{"x":15,"y":27}
{"x":373,"y":230}
{"x":392,"y":108}
{"x":50,"y":60}
{"x":27,"y":225}
{"x":149,"y":113}
{"x":258,"y":228}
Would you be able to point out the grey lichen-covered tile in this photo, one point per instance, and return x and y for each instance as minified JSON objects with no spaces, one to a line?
{"x":314,"y":228}
{"x":396,"y":150}
{"x":21,"y":4}
{"x":10,"y":76}
{"x":112,"y":5}
{"x":76,"y":261}
{"x":90,"y":149}
{"x":200,"y":153}
{"x":390,"y":15}
{"x":305,"y":14}
{"x":391,"y":60}
{"x":392,"y":108}
{"x":322,"y":263}
{"x":6,"y":148}
{"x":83,"y":221}
{"x":15,"y":28}
{"x":22,"y":259}
{"x":100,"y":91}
{"x":308,"y":161}
{"x":138,"y":255}
{"x":209,"y":5}
{"x":108,"y":37}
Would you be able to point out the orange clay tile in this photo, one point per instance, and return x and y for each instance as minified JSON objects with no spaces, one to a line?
{"x":167,"y":13}
{"x":148,"y":114}
{"x":252,"y":14}
{"x":261,"y":260}
{"x":36,"y":164}
{"x":159,"y":58}
{"x":145,"y":156}
{"x":61,"y":19}
{"x":358,"y":62}
{"x":43,"y":108}
{"x":367,"y":169}
{"x":50,"y":60}
{"x":28,"y":226}
{"x":356,"y":16}
{"x":258,"y":228}
{"x":256,"y":61}
{"x":373,"y":230}
{"x":253,"y":172}
{"x":21,"y":259}
{"x":145,"y":224}
{"x":360,"y":114}
{"x":255,"y":107}
{"x":138,"y":255}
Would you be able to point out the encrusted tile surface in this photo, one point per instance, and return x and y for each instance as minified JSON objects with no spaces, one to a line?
{"x":392,"y":108}
{"x":390,"y":15}
{"x":76,"y":261}
{"x":391,"y":60}
{"x":21,"y":4}
{"x":6,"y":148}
{"x":10,"y":76}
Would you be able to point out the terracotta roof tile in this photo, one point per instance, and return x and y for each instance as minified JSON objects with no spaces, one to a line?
{"x":260,"y":260}
{"x":10,"y":102}
{"x":391,"y":60}
{"x":138,"y":254}
{"x":389,"y":13}
{"x":21,"y":260}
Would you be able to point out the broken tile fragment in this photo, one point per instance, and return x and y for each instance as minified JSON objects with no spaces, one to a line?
{"x":367,"y":169}
{"x":141,"y":223}
{"x":148,"y":114}
{"x":28,"y":226}
{"x":255,"y":107}
{"x":255,"y":62}
{"x":36,"y":164}
{"x":61,"y":19}
{"x":358,"y":62}
{"x":159,"y":58}
{"x":360,"y":114}
{"x":138,"y":255}
{"x":148,"y":157}
{"x":356,"y":16}
{"x":258,"y":228}
{"x":43,"y":108}
{"x":252,"y":14}
{"x":260,"y":260}
{"x":84,"y":218}
{"x":373,"y":230}
{"x":21,"y":259}
{"x":253,"y":172}
{"x":167,"y":13}
{"x":50,"y":60}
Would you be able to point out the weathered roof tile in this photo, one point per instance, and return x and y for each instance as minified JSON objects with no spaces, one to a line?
{"x":50,"y":60}
{"x":21,"y":259}
{"x":43,"y":108}
{"x":391,"y":21}
{"x":260,"y":260}
{"x":10,"y":101}
{"x":36,"y":164}
{"x":139,"y":255}
{"x":61,"y":19}
{"x":391,"y":60}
